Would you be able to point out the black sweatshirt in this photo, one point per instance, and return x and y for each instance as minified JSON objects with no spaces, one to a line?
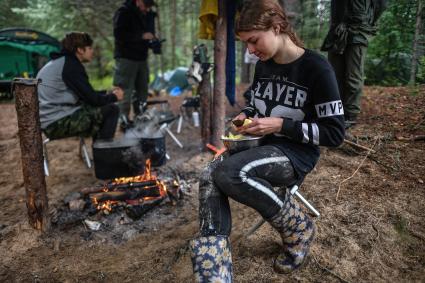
{"x":129,"y":26}
{"x":305,"y":94}
{"x":75,"y":77}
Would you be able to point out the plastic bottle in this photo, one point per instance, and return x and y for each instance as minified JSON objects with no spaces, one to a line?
{"x":195,"y":118}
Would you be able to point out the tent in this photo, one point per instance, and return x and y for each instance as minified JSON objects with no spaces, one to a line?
{"x":22,"y":53}
{"x":171,"y":81}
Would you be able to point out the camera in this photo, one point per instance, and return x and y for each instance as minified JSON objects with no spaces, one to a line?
{"x":155,"y":44}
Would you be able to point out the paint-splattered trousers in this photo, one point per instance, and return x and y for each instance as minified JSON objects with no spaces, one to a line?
{"x":253,"y":177}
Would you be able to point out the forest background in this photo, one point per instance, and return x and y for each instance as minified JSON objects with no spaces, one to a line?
{"x":390,"y":60}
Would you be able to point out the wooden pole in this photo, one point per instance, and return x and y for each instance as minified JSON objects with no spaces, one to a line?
{"x":220,"y":43}
{"x":205,"y":95}
{"x":29,"y":131}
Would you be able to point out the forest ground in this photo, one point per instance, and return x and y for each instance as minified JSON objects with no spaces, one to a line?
{"x":371,"y":227}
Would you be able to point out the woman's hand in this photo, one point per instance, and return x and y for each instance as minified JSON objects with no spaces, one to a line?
{"x":262,"y":126}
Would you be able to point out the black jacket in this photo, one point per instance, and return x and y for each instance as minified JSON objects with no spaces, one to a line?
{"x":352,"y":22}
{"x":129,"y":26}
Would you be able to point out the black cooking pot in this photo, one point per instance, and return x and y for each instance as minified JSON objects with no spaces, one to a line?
{"x":154,"y":148}
{"x":127,"y":157}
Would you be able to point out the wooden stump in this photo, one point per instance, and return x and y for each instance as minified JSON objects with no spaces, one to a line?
{"x":29,"y":131}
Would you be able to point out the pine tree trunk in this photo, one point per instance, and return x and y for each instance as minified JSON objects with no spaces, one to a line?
{"x":173,"y":33}
{"x":219,"y":101}
{"x":414,"y":64}
{"x":293,"y":11}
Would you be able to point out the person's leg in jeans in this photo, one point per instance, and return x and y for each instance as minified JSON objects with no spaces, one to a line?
{"x":210,"y":251}
{"x":249,"y":177}
{"x":141,"y":87}
{"x":110,"y":113}
{"x":125,"y":74}
{"x":249,"y":184}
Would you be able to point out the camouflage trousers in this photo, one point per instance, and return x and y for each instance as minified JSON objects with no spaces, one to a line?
{"x":85,"y":122}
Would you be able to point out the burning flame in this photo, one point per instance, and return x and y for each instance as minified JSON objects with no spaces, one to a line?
{"x":107,"y":205}
{"x":146,"y":176}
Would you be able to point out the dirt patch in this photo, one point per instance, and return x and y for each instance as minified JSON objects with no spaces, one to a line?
{"x":373,"y":231}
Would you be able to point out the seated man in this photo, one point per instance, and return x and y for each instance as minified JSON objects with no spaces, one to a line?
{"x":69,"y":106}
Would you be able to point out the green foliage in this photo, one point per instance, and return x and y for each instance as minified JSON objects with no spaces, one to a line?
{"x":313,"y":24}
{"x":390,"y":51}
{"x":8,"y":18}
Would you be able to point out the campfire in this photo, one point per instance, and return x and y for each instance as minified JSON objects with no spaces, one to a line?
{"x":136,"y":195}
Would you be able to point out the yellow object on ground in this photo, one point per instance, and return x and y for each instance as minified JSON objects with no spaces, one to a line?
{"x":208,"y":17}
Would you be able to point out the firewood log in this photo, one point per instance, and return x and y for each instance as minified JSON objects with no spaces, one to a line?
{"x":114,"y":187}
{"x":152,"y":191}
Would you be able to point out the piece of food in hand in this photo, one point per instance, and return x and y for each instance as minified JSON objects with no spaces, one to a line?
{"x":237,"y":123}
{"x":231,"y":136}
{"x":247,"y":122}
{"x":240,"y":123}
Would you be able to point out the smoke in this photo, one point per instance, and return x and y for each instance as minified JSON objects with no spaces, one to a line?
{"x":135,"y":158}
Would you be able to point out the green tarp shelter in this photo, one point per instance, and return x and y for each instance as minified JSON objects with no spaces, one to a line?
{"x":22,"y":53}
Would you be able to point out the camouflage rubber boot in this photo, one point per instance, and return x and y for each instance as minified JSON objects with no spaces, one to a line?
{"x":297,"y":231}
{"x":211,"y":259}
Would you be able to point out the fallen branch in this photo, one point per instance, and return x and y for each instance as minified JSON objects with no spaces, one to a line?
{"x":413,"y":138}
{"x":360,"y":165}
{"x":359,"y":146}
{"x":371,"y":157}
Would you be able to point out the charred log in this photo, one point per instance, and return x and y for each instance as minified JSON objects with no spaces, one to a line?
{"x":153,"y":191}
{"x":135,"y":212}
{"x":118,"y":186}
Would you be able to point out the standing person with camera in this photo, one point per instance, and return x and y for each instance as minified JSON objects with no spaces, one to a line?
{"x":351,"y":26}
{"x":134,"y":32}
